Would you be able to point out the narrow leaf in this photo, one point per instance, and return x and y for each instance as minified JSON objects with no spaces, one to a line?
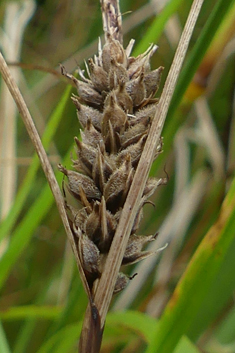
{"x":197,"y":279}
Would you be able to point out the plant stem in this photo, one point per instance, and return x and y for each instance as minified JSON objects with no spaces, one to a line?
{"x":49,"y":173}
{"x":107,"y":281}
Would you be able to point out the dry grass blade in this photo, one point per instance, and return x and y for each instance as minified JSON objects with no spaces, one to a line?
{"x":105,"y":289}
{"x":35,"y":138}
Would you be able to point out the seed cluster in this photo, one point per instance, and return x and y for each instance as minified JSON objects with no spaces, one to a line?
{"x":115,"y":107}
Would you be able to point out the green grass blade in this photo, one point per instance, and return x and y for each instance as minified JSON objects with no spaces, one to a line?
{"x":23,"y":233}
{"x":225,"y":333}
{"x":76,"y":295}
{"x":186,"y":346}
{"x":134,"y":320}
{"x":4,"y":346}
{"x":29,"y":322}
{"x":218,"y":14}
{"x":30,"y":311}
{"x":190,"y":292}
{"x":63,"y":340}
{"x":208,"y":32}
{"x":157,"y":27}
{"x":138,"y":322}
{"x":28,"y":182}
{"x":218,"y":297}
{"x":23,"y":338}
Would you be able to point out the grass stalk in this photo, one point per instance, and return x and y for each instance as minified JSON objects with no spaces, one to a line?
{"x":100,"y":297}
{"x":45,"y":163}
{"x":106,"y":284}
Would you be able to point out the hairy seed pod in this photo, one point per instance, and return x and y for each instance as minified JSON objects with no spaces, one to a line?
{"x":136,"y":89}
{"x":86,"y":156}
{"x":113,"y":50}
{"x":141,"y":61}
{"x":123,"y":98}
{"x":117,"y":73}
{"x":89,"y":95}
{"x":99,"y":76}
{"x":76,"y":217}
{"x":80,"y":218}
{"x":90,"y":256}
{"x":91,"y":136}
{"x":117,"y":186}
{"x":92,"y":225}
{"x":134,"y":151}
{"x":85,"y":90}
{"x":115,"y":108}
{"x":152,"y":81}
{"x":85,"y":113}
{"x":122,"y":281}
{"x":144,"y":115}
{"x":77,"y":181}
{"x":133,"y":251}
{"x":115,"y":115}
{"x":134,"y":133}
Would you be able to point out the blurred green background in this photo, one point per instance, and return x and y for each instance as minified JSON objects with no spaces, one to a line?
{"x":42,"y":301}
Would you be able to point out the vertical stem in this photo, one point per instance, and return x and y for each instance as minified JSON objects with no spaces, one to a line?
{"x":112,"y":18}
{"x":91,"y":336}
{"x":107,"y":282}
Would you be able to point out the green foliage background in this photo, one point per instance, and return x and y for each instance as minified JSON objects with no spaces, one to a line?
{"x":181,"y":301}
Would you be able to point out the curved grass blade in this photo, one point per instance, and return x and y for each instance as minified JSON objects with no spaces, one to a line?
{"x":218,"y":297}
{"x":208,"y":32}
{"x":141,"y":323}
{"x":29,"y":312}
{"x":62,"y":341}
{"x":28,"y":182}
{"x":216,"y":18}
{"x":196,"y":282}
{"x":224,"y":333}
{"x":4,"y":346}
{"x":24,"y":231}
{"x":157,"y":27}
